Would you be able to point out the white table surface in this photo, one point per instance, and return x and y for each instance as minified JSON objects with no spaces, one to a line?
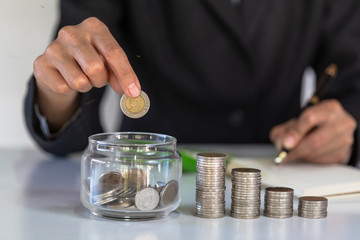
{"x":40,"y":200}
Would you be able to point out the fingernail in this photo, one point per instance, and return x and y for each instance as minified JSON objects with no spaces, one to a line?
{"x":133,"y":90}
{"x":289,"y":142}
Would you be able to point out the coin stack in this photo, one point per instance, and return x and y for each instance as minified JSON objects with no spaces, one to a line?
{"x":278,"y":202}
{"x":245,"y":193}
{"x":210,"y":185}
{"x":312,"y":207}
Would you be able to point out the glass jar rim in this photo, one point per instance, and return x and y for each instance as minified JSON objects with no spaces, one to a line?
{"x":155,"y":139}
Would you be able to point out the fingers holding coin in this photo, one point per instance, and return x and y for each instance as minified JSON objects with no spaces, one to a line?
{"x":135,"y":107}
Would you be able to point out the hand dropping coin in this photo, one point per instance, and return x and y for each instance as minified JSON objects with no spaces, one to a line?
{"x":135,"y":107}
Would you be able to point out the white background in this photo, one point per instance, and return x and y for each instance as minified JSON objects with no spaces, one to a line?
{"x":26,"y":27}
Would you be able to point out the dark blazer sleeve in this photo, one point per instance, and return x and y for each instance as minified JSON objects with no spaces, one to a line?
{"x":341,"y":44}
{"x":75,"y":136}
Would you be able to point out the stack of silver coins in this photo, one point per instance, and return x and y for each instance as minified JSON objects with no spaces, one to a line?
{"x":245,"y":193}
{"x":312,"y":207}
{"x":278,"y":202}
{"x":210,"y":185}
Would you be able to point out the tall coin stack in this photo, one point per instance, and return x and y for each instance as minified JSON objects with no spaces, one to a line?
{"x":245,"y":193}
{"x":312,"y":207}
{"x":210,"y":185}
{"x":278,"y":202}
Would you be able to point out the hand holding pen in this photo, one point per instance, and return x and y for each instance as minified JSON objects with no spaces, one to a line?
{"x":323,"y":133}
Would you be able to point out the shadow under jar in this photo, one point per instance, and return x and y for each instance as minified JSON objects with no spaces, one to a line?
{"x":131,"y":175}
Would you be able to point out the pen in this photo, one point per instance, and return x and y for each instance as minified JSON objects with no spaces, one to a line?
{"x":323,"y":84}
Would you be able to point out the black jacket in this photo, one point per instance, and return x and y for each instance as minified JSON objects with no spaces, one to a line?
{"x":216,"y":71}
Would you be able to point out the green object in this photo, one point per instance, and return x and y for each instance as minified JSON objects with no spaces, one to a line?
{"x":188,"y":156}
{"x":188,"y":160}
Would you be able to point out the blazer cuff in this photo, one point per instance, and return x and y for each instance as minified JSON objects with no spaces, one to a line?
{"x":44,"y":126}
{"x":355,"y":157}
{"x":73,"y":137}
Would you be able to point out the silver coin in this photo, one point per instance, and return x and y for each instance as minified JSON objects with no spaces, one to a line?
{"x":244,"y":216}
{"x":128,"y":193}
{"x":245,"y":171}
{"x":159,"y":189}
{"x":211,"y":191}
{"x":212,"y":173}
{"x":278,"y":200}
{"x":211,"y":205}
{"x":147,"y":199}
{"x":209,"y":202}
{"x":209,"y":197}
{"x":279,"y":190}
{"x":135,"y":107}
{"x":104,"y":201}
{"x":246,"y":202}
{"x":324,"y":215}
{"x":210,"y":185}
{"x":122,"y":203}
{"x":278,"y":204}
{"x":246,"y":182}
{"x":213,"y":216}
{"x":202,"y":178}
{"x":211,"y":155}
{"x":313,"y":199}
{"x":207,"y":188}
{"x":211,"y":211}
{"x":211,"y":163}
{"x":109,"y":181}
{"x":272,"y":215}
{"x":136,"y":178}
{"x":169,"y":193}
{"x":312,"y":212}
{"x":245,"y":208}
{"x":111,"y":193}
{"x":312,"y":208}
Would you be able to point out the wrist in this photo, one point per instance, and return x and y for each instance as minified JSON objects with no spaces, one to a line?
{"x":57,"y":108}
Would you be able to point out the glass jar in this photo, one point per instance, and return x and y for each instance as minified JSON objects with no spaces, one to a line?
{"x":131,"y":175}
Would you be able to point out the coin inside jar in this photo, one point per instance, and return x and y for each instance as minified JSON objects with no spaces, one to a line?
{"x":109,"y":181}
{"x":135,"y":107}
{"x":136,"y":178}
{"x":147,"y":199}
{"x":168,"y":193}
{"x":122,"y":203}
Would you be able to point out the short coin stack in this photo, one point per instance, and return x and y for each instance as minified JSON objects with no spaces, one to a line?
{"x":245,"y":193}
{"x":210,"y":185}
{"x":312,"y":207}
{"x":278,"y":202}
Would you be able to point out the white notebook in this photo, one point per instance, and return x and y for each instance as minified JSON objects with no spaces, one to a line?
{"x":306,"y":179}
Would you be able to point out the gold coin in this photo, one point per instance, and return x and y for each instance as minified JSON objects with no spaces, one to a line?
{"x":135,"y":107}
